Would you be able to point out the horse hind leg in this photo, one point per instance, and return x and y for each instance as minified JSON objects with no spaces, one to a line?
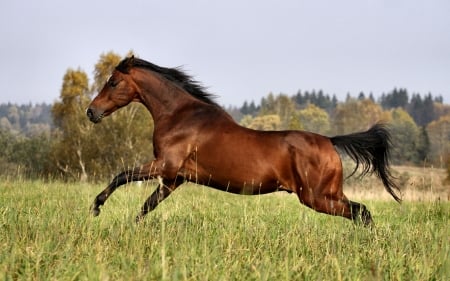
{"x":343,"y":207}
{"x":326,"y":196}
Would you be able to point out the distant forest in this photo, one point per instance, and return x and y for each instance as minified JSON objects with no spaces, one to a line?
{"x":34,"y":119}
{"x":421,"y":107}
{"x":27,"y":120}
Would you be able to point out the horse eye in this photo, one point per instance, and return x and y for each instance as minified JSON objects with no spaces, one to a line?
{"x":112,"y":83}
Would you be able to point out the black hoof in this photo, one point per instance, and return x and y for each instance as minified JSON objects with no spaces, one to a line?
{"x":95,"y":211}
{"x":139,"y":218}
{"x":366,"y":218}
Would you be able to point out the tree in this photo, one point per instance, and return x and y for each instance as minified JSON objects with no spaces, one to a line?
{"x":14,"y":118}
{"x":284,"y":107}
{"x":314,"y":119}
{"x":245,"y":109}
{"x":252,"y":108}
{"x":267,"y":105}
{"x":103,"y":69}
{"x":405,"y":136}
{"x":361,"y":96}
{"x":440,"y":110}
{"x":394,"y":99}
{"x":72,"y":126}
{"x":270,"y":122}
{"x":422,"y":110}
{"x":439,"y":135}
{"x":31,"y":155}
{"x":423,"y":146}
{"x":5,"y":124}
{"x":7,"y":141}
{"x":320,"y":100}
{"x":356,"y":115}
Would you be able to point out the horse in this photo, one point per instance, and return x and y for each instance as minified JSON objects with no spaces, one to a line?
{"x":195,"y":140}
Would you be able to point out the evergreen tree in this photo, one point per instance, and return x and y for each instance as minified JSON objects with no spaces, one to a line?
{"x":361,"y":96}
{"x":439,"y":99}
{"x":252,"y":108}
{"x":422,"y":110}
{"x":428,"y":111}
{"x":394,"y":99}
{"x":415,"y":109}
{"x":244,"y":108}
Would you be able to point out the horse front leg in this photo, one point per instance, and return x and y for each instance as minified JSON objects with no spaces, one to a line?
{"x":161,"y":192}
{"x":144,"y":172}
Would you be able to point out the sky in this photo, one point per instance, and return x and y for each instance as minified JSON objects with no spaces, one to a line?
{"x":241,"y":50}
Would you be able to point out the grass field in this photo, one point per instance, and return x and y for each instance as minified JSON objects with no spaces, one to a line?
{"x":47,"y":233}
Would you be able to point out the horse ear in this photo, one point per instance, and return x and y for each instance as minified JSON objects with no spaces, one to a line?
{"x":126,"y":64}
{"x":131,"y":61}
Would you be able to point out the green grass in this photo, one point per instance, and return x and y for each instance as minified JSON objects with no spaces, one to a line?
{"x":47,"y":233}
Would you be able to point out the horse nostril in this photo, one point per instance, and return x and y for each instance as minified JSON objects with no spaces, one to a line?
{"x":89,"y":113}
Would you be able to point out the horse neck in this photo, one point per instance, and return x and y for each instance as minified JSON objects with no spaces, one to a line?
{"x":160,"y":96}
{"x":164,"y":100}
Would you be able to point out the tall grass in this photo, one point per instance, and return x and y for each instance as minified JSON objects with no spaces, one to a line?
{"x":47,"y":233}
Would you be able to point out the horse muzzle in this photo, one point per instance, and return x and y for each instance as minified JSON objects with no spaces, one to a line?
{"x":93,"y":115}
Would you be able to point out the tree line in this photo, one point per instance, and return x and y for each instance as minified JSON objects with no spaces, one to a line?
{"x":419,"y":124}
{"x":58,"y":140}
{"x":27,"y":119}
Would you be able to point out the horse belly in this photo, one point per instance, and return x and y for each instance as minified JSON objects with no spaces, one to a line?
{"x":246,"y":174}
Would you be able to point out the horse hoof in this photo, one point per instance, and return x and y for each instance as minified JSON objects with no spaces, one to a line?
{"x":139,"y":218}
{"x":95,"y":211}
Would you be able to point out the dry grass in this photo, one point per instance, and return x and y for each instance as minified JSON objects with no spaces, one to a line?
{"x":416,"y":184}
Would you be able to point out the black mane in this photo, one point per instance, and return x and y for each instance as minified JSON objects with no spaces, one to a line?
{"x":176,"y":75}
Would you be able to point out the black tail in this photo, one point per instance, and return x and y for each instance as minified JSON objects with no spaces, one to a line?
{"x":371,"y":150}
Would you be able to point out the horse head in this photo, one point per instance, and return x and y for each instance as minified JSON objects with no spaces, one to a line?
{"x":118,"y":91}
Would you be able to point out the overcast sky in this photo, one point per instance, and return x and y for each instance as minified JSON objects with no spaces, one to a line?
{"x":241,"y":50}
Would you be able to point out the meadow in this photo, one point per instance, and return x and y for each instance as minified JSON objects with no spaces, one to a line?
{"x":47,"y":233}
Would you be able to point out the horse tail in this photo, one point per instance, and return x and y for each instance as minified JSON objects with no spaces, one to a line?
{"x":371,"y":150}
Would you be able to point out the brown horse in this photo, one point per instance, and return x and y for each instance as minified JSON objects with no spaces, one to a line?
{"x":196,"y":140}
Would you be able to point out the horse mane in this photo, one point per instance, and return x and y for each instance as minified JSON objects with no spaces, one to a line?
{"x":175,"y":75}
